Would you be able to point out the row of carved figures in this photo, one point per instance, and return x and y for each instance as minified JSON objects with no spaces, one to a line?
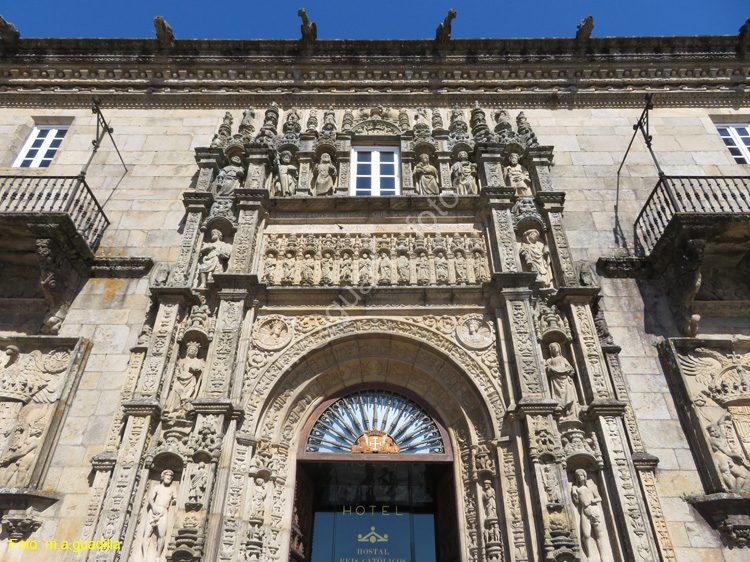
{"x":367,"y":268}
{"x":378,"y":120}
{"x":284,"y":179}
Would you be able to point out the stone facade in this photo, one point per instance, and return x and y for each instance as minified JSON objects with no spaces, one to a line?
{"x":185,"y":393}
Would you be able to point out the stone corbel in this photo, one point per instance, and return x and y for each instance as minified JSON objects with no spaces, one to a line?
{"x":22,"y":510}
{"x":729,"y":513}
{"x":19,"y":524}
{"x":683,"y":281}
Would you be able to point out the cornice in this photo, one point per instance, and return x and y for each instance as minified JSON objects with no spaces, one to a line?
{"x":690,"y":71}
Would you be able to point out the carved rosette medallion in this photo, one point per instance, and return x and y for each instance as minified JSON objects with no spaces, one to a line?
{"x":273,"y":333}
{"x":474,"y":332}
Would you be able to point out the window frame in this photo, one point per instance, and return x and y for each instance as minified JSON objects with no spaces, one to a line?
{"x":376,"y":176}
{"x":43,"y":149}
{"x":737,"y":140}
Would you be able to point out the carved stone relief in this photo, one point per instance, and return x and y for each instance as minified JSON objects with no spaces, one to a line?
{"x":387,"y":259}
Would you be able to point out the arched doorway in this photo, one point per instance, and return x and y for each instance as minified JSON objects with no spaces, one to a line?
{"x":374,"y":481}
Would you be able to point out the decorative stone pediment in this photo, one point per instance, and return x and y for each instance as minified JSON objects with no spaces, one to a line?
{"x":376,"y":127}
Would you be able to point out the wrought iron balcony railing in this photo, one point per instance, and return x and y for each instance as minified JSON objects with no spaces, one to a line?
{"x":688,"y":194}
{"x":56,"y":194}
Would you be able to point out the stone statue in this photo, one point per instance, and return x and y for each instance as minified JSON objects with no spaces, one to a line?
{"x":441,"y":267}
{"x":187,"y":376}
{"x":345,"y":269}
{"x":160,"y":499}
{"x":269,"y":269}
{"x":291,"y":127}
{"x":230,"y":177}
{"x":214,"y":257}
{"x":324,"y":182}
{"x":426,"y":176}
{"x":443,"y":32}
{"x":535,"y":257}
{"x":736,"y":477}
{"x":288,"y":269}
{"x":585,"y":27}
{"x":515,"y":175}
{"x":326,"y":269}
{"x":490,"y":504}
{"x":480,"y":269}
{"x":198,"y":485}
{"x":164,"y":33}
{"x":591,"y":518}
{"x":561,"y":374}
{"x":365,"y":270}
{"x":462,"y":174}
{"x":460,"y":266}
{"x":309,"y":29}
{"x":23,"y":446}
{"x":402,"y":268}
{"x":384,"y":269}
{"x":285,"y":182}
{"x":259,"y":497}
{"x":307,"y":270}
{"x":423,"y":269}
{"x":8,"y":32}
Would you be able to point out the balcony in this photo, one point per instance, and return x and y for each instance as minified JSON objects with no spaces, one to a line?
{"x":66,"y":195}
{"x":50,"y":228}
{"x":695,"y":199}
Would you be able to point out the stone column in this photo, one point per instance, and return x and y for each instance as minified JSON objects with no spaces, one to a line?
{"x":197,"y":205}
{"x":210,"y":161}
{"x":593,"y":372}
{"x":250,"y":203}
{"x":103,"y":464}
{"x":518,"y":509}
{"x":407,"y":162}
{"x":113,"y":521}
{"x":502,"y":239}
{"x":343,"y":154}
{"x":552,"y":203}
{"x":531,"y":379}
{"x":540,"y":160}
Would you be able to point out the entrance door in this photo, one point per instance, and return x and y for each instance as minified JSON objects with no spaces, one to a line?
{"x":376,"y":512}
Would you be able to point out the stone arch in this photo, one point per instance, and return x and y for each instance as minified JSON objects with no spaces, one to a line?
{"x":276,"y":381}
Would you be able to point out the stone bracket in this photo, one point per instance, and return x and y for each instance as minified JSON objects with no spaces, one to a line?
{"x":728,"y":513}
{"x":21,"y":509}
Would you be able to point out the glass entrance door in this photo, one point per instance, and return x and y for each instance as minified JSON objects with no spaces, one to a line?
{"x":375,"y":512}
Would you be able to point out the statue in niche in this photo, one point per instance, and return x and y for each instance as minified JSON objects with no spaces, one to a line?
{"x":480,"y":268}
{"x":384,"y":269}
{"x":490,"y":504}
{"x":24,"y":444}
{"x":326,"y":269}
{"x":736,"y":476}
{"x":289,"y":267}
{"x":423,"y":269}
{"x":307,"y":270}
{"x":187,"y":376}
{"x":590,"y":518}
{"x":365,"y":269}
{"x":230,"y":177}
{"x":214,"y":257}
{"x":198,"y":485}
{"x":426,"y":176}
{"x":463,"y":175}
{"x":160,"y":499}
{"x":561,"y":374}
{"x":460,"y":267}
{"x":441,"y":267}
{"x":516,"y":176}
{"x":402,"y":268}
{"x":269,"y":269}
{"x":345,"y":269}
{"x":535,"y":257}
{"x":285,"y":180}
{"x":324,"y":181}
{"x":259,"y":497}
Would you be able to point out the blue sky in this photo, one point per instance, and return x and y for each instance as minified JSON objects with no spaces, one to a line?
{"x":378,"y":19}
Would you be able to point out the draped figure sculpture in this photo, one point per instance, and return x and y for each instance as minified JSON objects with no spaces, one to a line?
{"x":426,"y":176}
{"x":561,"y":374}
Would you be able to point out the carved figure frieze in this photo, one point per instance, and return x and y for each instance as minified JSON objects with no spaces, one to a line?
{"x":214,"y":256}
{"x":391,"y":259}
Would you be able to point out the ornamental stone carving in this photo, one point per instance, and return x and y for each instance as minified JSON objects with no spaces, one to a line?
{"x":285,"y":176}
{"x":592,"y":525}
{"x":517,"y":176}
{"x":562,"y":382}
{"x":474,"y":332}
{"x":426,"y":176}
{"x":214,"y":258}
{"x":272,"y":332}
{"x":186,"y":382}
{"x":463,"y":175}
{"x":157,"y":518}
{"x":535,"y":257}
{"x":324,"y":176}
{"x":230,"y":177}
